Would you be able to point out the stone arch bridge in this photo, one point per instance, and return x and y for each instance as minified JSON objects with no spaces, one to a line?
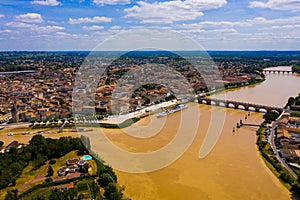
{"x":277,"y":71}
{"x":238,"y":104}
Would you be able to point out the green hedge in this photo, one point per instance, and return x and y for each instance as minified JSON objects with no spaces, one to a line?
{"x":49,"y":184}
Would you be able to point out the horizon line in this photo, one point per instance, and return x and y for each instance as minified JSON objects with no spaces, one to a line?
{"x":236,"y":50}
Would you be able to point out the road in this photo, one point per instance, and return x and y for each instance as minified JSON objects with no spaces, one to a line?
{"x":272,"y":143}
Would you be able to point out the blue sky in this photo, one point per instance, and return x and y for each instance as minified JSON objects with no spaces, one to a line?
{"x":215,"y":24}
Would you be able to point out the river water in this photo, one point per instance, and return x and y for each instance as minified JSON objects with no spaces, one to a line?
{"x":232,"y":170}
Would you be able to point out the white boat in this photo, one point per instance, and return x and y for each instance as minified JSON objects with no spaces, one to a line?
{"x":161,"y":114}
{"x":172,"y":110}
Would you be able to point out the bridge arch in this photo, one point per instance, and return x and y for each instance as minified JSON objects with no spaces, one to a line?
{"x":251,"y":108}
{"x":214,"y":102}
{"x":264,"y":110}
{"x":223,"y":104}
{"x":242,"y":106}
{"x":230,"y":105}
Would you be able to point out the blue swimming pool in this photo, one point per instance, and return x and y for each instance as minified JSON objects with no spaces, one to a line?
{"x":87,"y":157}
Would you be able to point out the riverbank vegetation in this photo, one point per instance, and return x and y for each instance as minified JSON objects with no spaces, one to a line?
{"x":271,"y":116}
{"x":294,"y":103}
{"x":296,"y":69}
{"x":271,"y":160}
{"x":251,"y":81}
{"x":274,"y":165}
{"x":295,"y":114}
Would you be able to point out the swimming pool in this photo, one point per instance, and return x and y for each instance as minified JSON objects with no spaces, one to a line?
{"x":87,"y":157}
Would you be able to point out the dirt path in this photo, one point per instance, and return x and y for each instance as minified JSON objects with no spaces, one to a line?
{"x":39,"y":177}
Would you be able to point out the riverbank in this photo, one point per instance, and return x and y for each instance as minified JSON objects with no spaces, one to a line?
{"x":237,"y":86}
{"x":270,"y":160}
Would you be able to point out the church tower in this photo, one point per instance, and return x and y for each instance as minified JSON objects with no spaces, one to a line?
{"x":15,"y":113}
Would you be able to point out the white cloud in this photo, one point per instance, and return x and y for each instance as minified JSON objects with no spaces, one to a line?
{"x":47,"y":29}
{"x":46,"y":2}
{"x":111,"y":2}
{"x":171,"y":11}
{"x":261,"y":20}
{"x":19,"y":25}
{"x":115,"y":27}
{"x":286,"y":26}
{"x":95,"y":19}
{"x":52,"y":22}
{"x":30,"y":17}
{"x":34,"y":27}
{"x":214,"y":31}
{"x":5,"y":31}
{"x":214,"y":24}
{"x":65,"y":35}
{"x":1,"y":15}
{"x":93,"y":28}
{"x":242,"y":23}
{"x":292,"y":5}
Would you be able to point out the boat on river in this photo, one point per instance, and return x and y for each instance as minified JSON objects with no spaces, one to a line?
{"x":172,"y":110}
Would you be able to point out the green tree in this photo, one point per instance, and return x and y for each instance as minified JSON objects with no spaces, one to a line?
{"x":271,"y":116}
{"x":81,"y":196}
{"x":113,"y":191}
{"x":11,"y":195}
{"x":296,"y":69}
{"x":37,"y":140}
{"x":50,"y":171}
{"x":291,"y":101}
{"x":39,"y":161}
{"x":105,"y":179}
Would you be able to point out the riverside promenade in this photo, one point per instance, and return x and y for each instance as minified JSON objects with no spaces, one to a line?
{"x":118,"y":119}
